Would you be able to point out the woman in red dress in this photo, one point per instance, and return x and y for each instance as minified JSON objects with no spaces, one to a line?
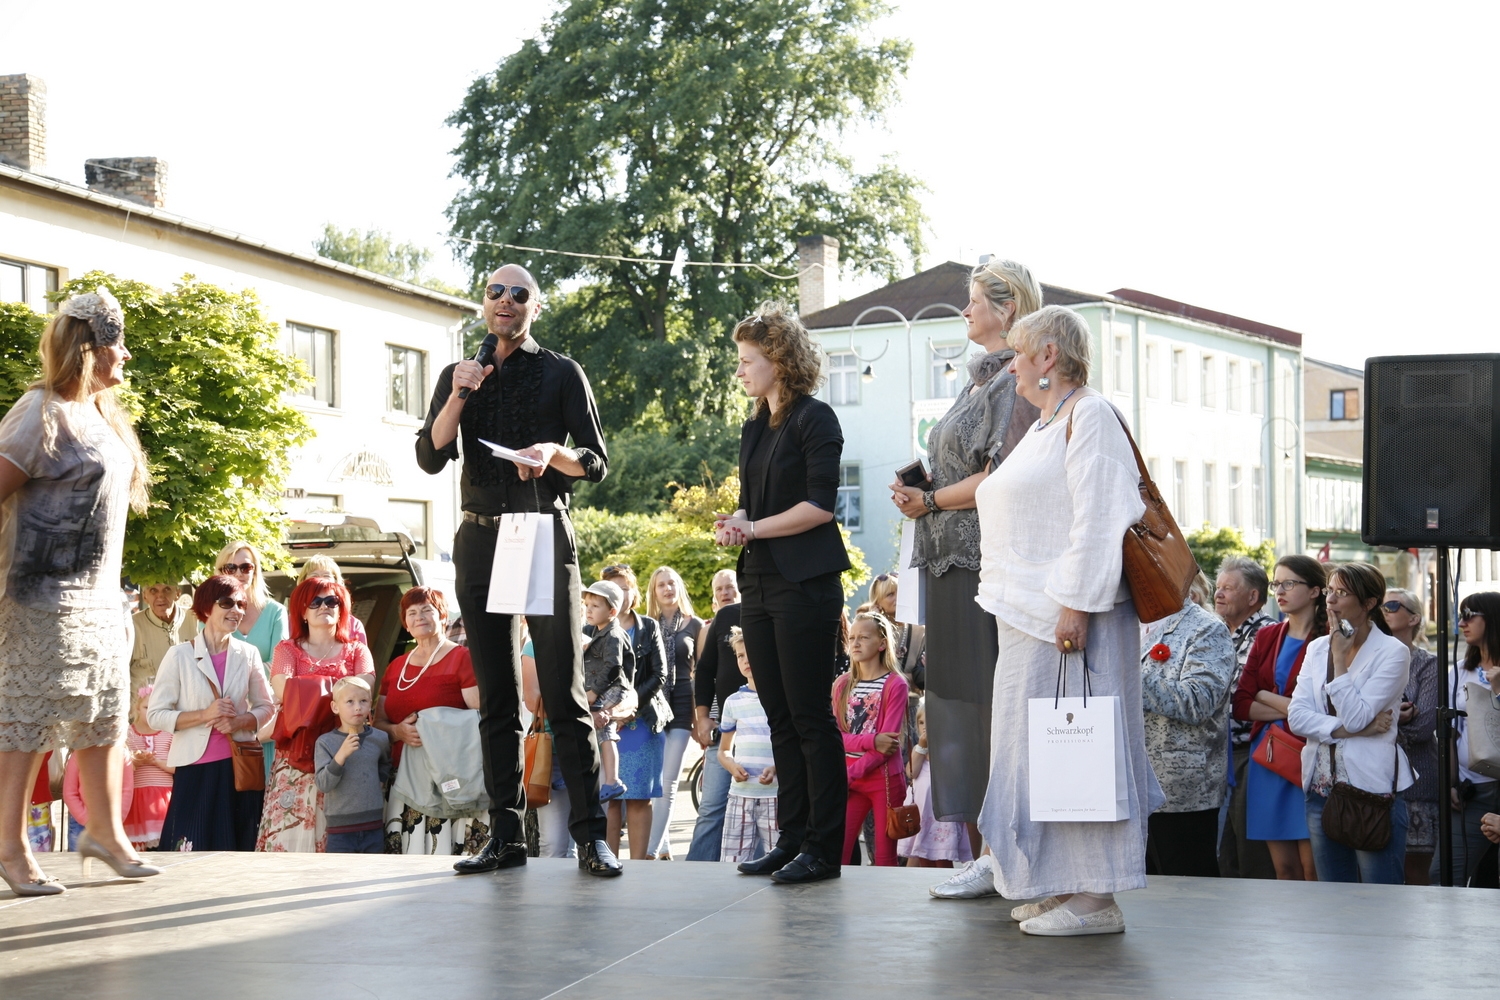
{"x":436,"y":674}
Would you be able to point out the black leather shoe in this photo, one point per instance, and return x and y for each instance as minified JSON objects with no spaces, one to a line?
{"x":492,"y":857}
{"x":776,"y":860}
{"x":597,"y":859}
{"x":806,"y":868}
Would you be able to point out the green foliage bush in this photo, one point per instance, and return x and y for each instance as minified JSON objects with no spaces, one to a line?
{"x":20,"y":332}
{"x":1211,"y":548}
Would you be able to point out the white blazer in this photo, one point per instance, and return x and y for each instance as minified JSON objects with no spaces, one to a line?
{"x":1374,"y":682}
{"x":185,"y":682}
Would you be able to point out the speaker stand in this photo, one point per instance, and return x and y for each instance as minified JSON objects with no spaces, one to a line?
{"x":1445,"y":716}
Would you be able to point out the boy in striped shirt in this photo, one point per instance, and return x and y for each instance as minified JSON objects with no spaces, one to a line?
{"x":750,"y":816}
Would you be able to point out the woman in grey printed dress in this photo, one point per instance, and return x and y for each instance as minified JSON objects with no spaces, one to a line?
{"x":972,"y":438}
{"x":70,"y":466}
{"x":1187,"y":662}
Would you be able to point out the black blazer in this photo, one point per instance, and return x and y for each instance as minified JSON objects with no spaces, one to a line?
{"x":650,"y":674}
{"x":804,"y":466}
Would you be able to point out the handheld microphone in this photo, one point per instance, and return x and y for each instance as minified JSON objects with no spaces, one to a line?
{"x":483,"y":357}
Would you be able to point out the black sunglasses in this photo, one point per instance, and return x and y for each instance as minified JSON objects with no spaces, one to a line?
{"x":228,"y":602}
{"x":326,"y":601}
{"x":519,"y":294}
{"x":1391,"y":607}
{"x":237,"y":568}
{"x":1464,"y":616}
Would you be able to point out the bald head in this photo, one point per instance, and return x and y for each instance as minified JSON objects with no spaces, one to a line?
{"x":504,"y":316}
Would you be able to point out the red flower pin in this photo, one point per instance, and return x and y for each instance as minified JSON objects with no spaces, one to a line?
{"x":1160,"y":652}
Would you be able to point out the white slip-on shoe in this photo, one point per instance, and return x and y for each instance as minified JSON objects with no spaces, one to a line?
{"x":1063,"y":922}
{"x":1026,"y":911}
{"x":975,"y":879}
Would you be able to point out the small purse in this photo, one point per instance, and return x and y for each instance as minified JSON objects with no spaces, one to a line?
{"x":1358,"y":819}
{"x":900,"y":821}
{"x":248,"y":758}
{"x":538,"y":763}
{"x":1281,"y":753}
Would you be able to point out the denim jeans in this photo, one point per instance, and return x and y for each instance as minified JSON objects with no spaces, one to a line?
{"x":359,"y":842}
{"x":708,"y":834}
{"x":1337,"y":863}
{"x":671,"y":777}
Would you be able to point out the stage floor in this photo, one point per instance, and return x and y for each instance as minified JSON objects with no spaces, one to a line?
{"x":226,"y":926}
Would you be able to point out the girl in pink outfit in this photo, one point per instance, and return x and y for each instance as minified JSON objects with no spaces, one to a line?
{"x":147,"y":749}
{"x":870,"y":704}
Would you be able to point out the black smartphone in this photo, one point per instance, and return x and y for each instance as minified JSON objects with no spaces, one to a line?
{"x":914,"y":475}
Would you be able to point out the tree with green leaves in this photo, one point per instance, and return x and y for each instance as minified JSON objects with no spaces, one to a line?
{"x":376,"y":250}
{"x":658,"y":128}
{"x":1212,"y":547}
{"x":206,"y":384}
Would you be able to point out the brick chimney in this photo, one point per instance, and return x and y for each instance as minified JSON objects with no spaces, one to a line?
{"x":818,"y":286}
{"x":23,"y":121}
{"x":141,"y":179}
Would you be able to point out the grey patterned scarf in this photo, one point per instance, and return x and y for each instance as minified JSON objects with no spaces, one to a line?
{"x":983,"y":367}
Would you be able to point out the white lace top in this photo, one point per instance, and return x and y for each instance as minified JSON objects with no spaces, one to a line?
{"x":1052,"y":519}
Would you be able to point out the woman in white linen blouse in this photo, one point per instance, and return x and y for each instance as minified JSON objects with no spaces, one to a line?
{"x":1358,"y":744}
{"x":1052,"y":519}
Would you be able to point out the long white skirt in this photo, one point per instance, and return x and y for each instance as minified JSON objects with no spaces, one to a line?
{"x":1044,"y":859}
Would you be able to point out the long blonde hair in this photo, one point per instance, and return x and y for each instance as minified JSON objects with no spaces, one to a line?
{"x":887,"y":660}
{"x":684,"y":602}
{"x":256,"y":590}
{"x":67,"y":343}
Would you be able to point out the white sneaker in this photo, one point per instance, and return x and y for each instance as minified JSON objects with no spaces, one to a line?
{"x":1063,"y":922}
{"x":975,"y":879}
{"x":1026,"y":911}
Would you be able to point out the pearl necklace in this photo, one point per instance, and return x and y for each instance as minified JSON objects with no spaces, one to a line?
{"x":402,"y":684}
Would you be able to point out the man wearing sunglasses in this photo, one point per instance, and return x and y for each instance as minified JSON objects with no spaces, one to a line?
{"x":533,"y":401}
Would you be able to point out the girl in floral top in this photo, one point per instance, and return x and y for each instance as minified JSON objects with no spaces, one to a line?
{"x":320,"y":646}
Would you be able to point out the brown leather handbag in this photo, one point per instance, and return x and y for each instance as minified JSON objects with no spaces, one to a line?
{"x":900,"y":821}
{"x":538,"y":763}
{"x":1358,"y":819}
{"x":247,"y":757}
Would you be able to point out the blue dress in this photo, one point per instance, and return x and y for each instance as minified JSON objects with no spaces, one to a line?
{"x":1275,"y":809}
{"x":641,"y":755}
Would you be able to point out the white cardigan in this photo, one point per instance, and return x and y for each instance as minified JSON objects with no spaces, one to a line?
{"x":185,"y":682}
{"x":1374,"y":682}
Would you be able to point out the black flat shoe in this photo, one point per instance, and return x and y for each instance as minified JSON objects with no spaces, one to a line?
{"x":597,"y":859}
{"x":492,"y":857}
{"x":805,"y":868}
{"x":774,"y":861}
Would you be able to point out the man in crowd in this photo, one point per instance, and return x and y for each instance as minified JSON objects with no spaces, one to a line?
{"x":1239,"y":598}
{"x":161,"y":624}
{"x":530,"y":400}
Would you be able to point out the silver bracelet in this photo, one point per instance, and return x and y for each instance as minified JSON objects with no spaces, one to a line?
{"x":920,"y":749}
{"x":752,"y":530}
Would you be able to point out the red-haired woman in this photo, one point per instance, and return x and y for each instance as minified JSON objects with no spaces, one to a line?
{"x":319,"y":647}
{"x":436,"y":674}
{"x":206,"y":812}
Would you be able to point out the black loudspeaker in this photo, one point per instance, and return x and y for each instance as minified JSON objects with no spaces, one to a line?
{"x":1432,"y":451}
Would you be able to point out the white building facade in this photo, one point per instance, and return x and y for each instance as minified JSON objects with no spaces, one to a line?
{"x":1213,"y":400}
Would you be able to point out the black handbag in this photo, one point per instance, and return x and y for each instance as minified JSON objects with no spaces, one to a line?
{"x":1358,"y":819}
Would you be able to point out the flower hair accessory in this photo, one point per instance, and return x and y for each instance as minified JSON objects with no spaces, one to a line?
{"x":1160,"y":652}
{"x":101,"y":310}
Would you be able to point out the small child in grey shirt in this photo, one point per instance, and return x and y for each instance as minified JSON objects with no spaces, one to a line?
{"x":352,"y":765}
{"x":608,"y":676}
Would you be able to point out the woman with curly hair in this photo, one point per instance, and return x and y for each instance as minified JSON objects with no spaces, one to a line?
{"x":790,"y":594}
{"x":320,"y":646}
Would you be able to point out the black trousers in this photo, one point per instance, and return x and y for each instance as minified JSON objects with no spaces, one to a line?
{"x":1240,"y":857}
{"x":495,"y":648}
{"x":1183,"y":843}
{"x":791,"y":633}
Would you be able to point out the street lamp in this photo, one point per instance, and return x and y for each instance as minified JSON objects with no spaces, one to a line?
{"x":868,"y":374}
{"x":949,"y":372}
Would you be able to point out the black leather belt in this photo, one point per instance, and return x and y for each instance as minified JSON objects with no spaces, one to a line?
{"x":483,"y":520}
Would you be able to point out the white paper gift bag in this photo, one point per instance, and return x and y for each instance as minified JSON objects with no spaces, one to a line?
{"x":1076,"y":751}
{"x":521,"y":578}
{"x":911,"y":594}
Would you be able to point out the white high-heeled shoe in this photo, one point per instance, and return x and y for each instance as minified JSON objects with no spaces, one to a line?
{"x":89,"y":849}
{"x":44,"y":886}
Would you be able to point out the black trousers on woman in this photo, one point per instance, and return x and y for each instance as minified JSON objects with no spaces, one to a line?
{"x":495,"y":648}
{"x":791,"y":632}
{"x":1183,"y":843}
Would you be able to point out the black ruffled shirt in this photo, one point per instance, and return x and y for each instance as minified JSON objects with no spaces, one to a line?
{"x":535,"y":396}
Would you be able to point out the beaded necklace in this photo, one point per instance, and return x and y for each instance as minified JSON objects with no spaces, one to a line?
{"x":1040,"y":424}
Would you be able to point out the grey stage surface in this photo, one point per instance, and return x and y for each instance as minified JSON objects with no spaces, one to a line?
{"x":225,"y":926}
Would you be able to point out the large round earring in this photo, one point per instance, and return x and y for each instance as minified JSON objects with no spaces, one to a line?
{"x":1044,"y":383}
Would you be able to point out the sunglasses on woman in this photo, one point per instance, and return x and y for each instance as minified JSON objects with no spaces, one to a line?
{"x":237,"y":568}
{"x":228,"y":602}
{"x":518,"y":293}
{"x":326,"y":601}
{"x":1464,"y":616}
{"x":1391,"y":607}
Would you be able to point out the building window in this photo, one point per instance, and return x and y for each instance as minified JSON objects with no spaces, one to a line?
{"x":315,"y":349}
{"x":1179,"y":490}
{"x":1258,"y":499}
{"x":1257,"y":389}
{"x":413,"y":517}
{"x":1153,"y":380}
{"x":947,"y":371}
{"x":846,"y":507}
{"x":1121,"y":361}
{"x":1153,"y":469}
{"x":843,"y":379}
{"x":1210,"y":493}
{"x":1206,"y":394}
{"x":1179,"y":375}
{"x":408,"y":381}
{"x":1343,"y":404}
{"x":1232,"y":385}
{"x":323,"y":501}
{"x":1236,"y":500}
{"x":28,"y":283}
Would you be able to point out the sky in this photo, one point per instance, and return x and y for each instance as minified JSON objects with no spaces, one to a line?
{"x":1328,"y":168}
